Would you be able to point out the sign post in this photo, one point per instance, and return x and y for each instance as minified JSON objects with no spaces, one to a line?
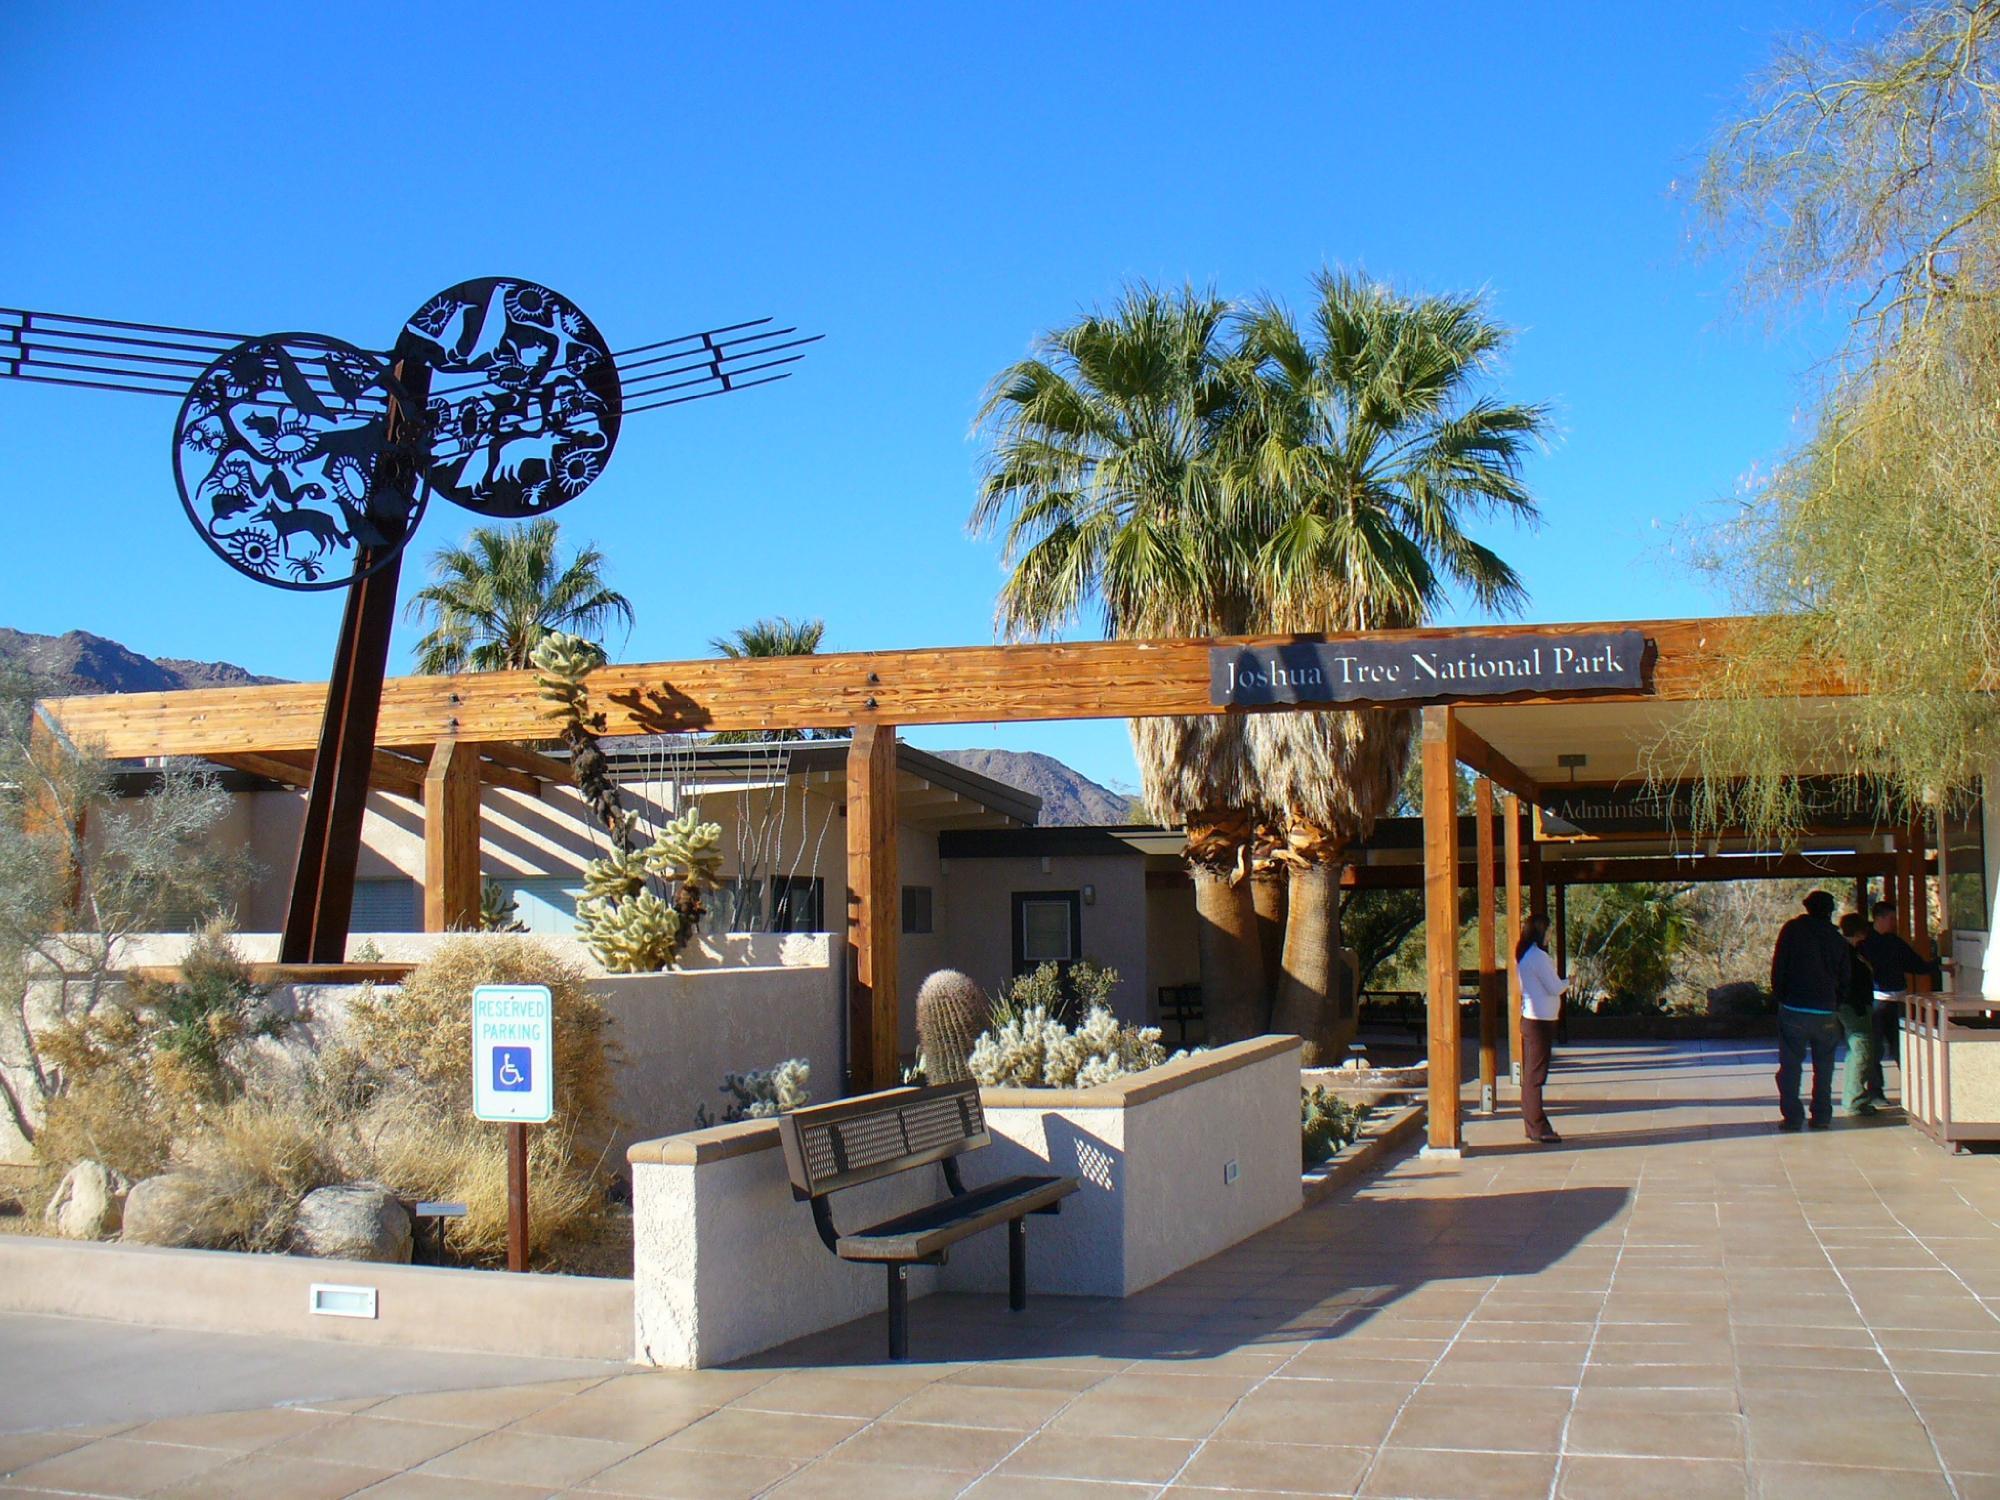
{"x":513,"y":1083}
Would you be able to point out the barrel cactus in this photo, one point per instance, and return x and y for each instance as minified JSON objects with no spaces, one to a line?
{"x":952,"y":1012}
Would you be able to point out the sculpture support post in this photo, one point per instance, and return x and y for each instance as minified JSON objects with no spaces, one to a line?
{"x":330,"y":839}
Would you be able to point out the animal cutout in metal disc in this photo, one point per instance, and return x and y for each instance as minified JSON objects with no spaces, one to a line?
{"x":277,"y":451}
{"x":524,"y":398}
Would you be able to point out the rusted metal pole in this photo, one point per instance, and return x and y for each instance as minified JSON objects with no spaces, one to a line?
{"x":517,"y":1197}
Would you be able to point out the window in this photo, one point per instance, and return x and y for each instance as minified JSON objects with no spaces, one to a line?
{"x":1048,"y":928}
{"x":798,"y":904}
{"x":916,"y":908}
{"x":394,"y":905}
{"x":545,"y":903}
{"x":737,"y":905}
{"x":1965,"y":903}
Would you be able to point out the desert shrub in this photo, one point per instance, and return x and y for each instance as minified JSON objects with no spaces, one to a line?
{"x":1326,"y":1123}
{"x":260,"y":1157}
{"x":1064,"y":993}
{"x":762,"y":1093}
{"x":420,"y":1033}
{"x":1034,"y":1049}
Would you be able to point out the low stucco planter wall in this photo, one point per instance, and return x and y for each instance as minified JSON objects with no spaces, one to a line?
{"x":1176,"y":1164}
{"x":418,"y":1307}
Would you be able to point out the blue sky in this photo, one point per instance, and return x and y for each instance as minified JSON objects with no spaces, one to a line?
{"x":929,"y":187}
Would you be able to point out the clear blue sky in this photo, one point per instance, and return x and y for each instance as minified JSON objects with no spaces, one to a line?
{"x":927,"y":186}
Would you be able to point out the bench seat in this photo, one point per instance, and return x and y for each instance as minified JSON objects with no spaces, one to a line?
{"x":922,"y":1233}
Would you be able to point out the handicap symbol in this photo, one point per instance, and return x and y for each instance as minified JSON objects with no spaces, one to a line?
{"x":512,"y":1069}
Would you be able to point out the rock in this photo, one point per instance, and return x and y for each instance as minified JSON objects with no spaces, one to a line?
{"x":167,"y":1210}
{"x":89,"y":1203}
{"x":1739,"y":1000}
{"x":357,"y":1221}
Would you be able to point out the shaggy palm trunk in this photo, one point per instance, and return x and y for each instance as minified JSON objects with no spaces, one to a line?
{"x":1232,"y":962}
{"x":1269,"y":893}
{"x":1309,"y":988}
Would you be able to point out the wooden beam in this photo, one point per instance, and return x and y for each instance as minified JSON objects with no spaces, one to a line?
{"x":1712,"y":867}
{"x":451,"y":838}
{"x":1562,"y":929}
{"x":532,"y":762}
{"x":1476,"y":755}
{"x":1440,"y":761}
{"x":874,"y":909}
{"x":494,"y":774}
{"x":1489,"y":965}
{"x":959,"y":685}
{"x":1510,"y":814}
{"x":386,"y":772}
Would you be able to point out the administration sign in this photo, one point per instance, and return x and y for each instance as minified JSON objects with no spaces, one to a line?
{"x":513,"y":1053}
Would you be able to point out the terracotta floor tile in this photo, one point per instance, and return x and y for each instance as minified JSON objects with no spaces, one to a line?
{"x":371,"y":1440}
{"x":1517,"y":1421}
{"x":1430,"y":1474}
{"x":483,"y":1409}
{"x":685,"y":1474}
{"x":438,"y":1487}
{"x":911,"y":1445}
{"x":1034,"y":1487}
{"x":117,"y":1466}
{"x":1656,"y":1434}
{"x":529,"y":1458}
{"x":18,"y":1450}
{"x":1276,"y":1414}
{"x":831,"y":1480}
{"x":1071,"y":1456}
{"x":258,"y":1476}
{"x":1141,"y":1416}
{"x":843,"y":1395}
{"x":1588,"y":1477}
{"x":1807,"y":1481}
{"x":1287,"y":1467}
{"x":770,"y":1434}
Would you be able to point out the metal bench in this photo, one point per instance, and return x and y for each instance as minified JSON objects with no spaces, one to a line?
{"x":834,"y":1146}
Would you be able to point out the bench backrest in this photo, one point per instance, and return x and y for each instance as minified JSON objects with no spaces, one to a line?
{"x":842,"y":1145}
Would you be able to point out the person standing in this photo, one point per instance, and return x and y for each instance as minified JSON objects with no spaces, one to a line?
{"x":1542,"y":991}
{"x":1895,"y":963}
{"x":1810,"y":967}
{"x":1856,"y":1013}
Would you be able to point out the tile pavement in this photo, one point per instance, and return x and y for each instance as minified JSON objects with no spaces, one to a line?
{"x":1677,"y":1302}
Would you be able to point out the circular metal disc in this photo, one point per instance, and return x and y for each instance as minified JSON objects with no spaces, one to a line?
{"x":524,"y":395}
{"x":276,"y":454}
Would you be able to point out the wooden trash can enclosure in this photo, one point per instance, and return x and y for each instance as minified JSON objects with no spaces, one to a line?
{"x":1951,"y":1068}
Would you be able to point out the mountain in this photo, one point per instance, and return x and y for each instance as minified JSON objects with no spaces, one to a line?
{"x":79,"y":662}
{"x":1068,"y":797}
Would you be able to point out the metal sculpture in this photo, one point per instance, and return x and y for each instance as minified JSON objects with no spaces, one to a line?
{"x":305,"y":463}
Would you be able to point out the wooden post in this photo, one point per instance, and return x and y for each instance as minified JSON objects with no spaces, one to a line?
{"x":1920,"y":901}
{"x":1511,"y":851}
{"x":451,"y":838}
{"x":1440,"y":760}
{"x":1943,"y":887}
{"x":517,"y":1197}
{"x":1861,"y":894}
{"x":874,"y":908}
{"x":1562,"y":930}
{"x":1489,"y":965}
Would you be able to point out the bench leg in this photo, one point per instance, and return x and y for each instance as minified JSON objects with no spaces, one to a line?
{"x":1017,"y":1264}
{"x":899,"y":1312}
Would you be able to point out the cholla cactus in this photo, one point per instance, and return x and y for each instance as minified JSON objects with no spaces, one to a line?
{"x":952,"y":1013}
{"x":562,"y":663}
{"x":498,"y":911}
{"x":687,"y":851}
{"x":619,"y":876}
{"x":1033,"y":1049}
{"x":763,"y":1093}
{"x":639,"y":935}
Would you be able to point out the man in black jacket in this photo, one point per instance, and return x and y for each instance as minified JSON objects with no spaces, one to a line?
{"x":1895,"y":964}
{"x":1809,"y":974}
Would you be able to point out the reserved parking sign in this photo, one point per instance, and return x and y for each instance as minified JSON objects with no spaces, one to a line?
{"x":513,"y":1053}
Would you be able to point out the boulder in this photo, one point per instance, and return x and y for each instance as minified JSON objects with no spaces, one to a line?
{"x":167,"y":1210}
{"x":89,"y":1202}
{"x":1738,"y":1001}
{"x":356,"y":1221}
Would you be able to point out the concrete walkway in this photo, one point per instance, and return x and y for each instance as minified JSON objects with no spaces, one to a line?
{"x":1678,"y":1302}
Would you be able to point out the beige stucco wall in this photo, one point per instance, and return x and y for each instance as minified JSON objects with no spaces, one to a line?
{"x":1114,"y":925}
{"x":726,"y":1263}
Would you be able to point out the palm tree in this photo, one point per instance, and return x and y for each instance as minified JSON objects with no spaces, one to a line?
{"x":494,"y":599}
{"x":1107,"y":474}
{"x":1371,"y":451}
{"x":775,"y":635}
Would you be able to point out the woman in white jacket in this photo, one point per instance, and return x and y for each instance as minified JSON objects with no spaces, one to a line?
{"x":1542,"y":990}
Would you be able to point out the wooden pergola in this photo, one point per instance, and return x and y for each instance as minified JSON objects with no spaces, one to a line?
{"x":442,"y":738}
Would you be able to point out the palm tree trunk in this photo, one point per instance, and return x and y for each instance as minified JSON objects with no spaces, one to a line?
{"x":1269,"y":890}
{"x":1309,"y":987}
{"x":1232,"y":962}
